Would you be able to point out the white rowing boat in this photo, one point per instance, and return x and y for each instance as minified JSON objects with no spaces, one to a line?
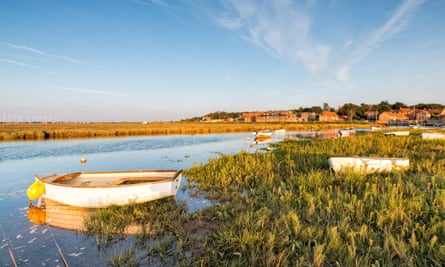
{"x":347,"y":132}
{"x":264,"y":134}
{"x":102,"y":189}
{"x":367,"y":164}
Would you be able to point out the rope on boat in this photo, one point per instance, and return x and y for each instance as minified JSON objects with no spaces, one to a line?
{"x":58,"y":247}
{"x":9,"y":248}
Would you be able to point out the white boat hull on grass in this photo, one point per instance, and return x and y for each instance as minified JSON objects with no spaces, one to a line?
{"x":367,"y":164}
{"x":102,"y":189}
{"x":430,"y":136}
{"x":398,"y":133}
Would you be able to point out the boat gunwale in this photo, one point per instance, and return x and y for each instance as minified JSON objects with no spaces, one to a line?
{"x":119,"y":182}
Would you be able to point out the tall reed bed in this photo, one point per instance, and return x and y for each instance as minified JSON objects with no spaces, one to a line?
{"x":40,"y":131}
{"x":285,"y":207}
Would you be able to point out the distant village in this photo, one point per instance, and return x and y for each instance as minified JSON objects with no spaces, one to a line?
{"x":400,"y":116}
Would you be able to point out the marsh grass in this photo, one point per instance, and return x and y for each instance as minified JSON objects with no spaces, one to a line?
{"x":41,"y":131}
{"x":127,"y":258}
{"x":286,"y":207}
{"x":108,"y":225}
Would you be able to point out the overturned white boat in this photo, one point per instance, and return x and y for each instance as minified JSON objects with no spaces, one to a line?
{"x":102,"y":189}
{"x":430,"y":136}
{"x":397,"y":133}
{"x":368,"y":164}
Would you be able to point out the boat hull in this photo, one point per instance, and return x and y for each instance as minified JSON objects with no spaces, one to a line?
{"x":397,"y":133}
{"x":264,"y":134}
{"x":347,"y":132}
{"x":102,"y":189}
{"x":431,"y":136}
{"x":367,"y":164}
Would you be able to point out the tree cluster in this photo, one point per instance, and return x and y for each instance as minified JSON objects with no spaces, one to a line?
{"x":357,"y":112}
{"x":218,"y":115}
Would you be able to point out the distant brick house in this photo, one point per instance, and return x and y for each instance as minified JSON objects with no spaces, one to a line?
{"x":277,"y":116}
{"x":269,"y":116}
{"x":431,"y":115}
{"x":441,"y":115}
{"x":385,"y":117}
{"x":423,"y":115}
{"x":307,"y":116}
{"x":391,"y":117}
{"x":405,"y":110}
{"x":328,"y":116}
{"x":249,"y":117}
{"x":372,"y":115}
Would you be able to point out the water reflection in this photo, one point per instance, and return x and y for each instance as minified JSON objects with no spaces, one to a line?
{"x":313,"y":135}
{"x":58,"y":215}
{"x":58,"y":148}
{"x":28,"y":227}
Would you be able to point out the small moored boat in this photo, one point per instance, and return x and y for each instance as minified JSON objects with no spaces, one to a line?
{"x":375,"y":128}
{"x":280,"y":133}
{"x":264,"y":134}
{"x":347,"y":132}
{"x":102,"y":189}
{"x":367,"y":164}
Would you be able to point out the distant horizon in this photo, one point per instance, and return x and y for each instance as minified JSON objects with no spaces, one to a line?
{"x":158,"y":60}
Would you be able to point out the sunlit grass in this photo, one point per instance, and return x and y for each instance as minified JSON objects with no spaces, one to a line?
{"x":285,"y":207}
{"x":298,"y":211}
{"x":40,"y":131}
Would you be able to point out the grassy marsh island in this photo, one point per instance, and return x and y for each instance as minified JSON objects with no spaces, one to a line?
{"x":41,"y":131}
{"x":285,"y":207}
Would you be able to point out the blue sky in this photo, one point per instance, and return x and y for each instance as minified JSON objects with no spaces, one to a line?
{"x":159,"y":60}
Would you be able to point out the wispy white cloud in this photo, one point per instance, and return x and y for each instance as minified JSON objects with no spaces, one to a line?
{"x":93,"y":92}
{"x":42,"y":53}
{"x":25,"y":48}
{"x":285,"y":29}
{"x":15,"y":62}
{"x":229,"y":22}
{"x":76,"y":61}
{"x":280,"y":27}
{"x":394,"y":24}
{"x":347,"y":44}
{"x":151,"y":2}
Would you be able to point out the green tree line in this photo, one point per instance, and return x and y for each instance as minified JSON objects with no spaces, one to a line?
{"x":355,"y":111}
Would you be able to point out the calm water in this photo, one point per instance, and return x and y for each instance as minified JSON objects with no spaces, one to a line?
{"x":36,"y":245}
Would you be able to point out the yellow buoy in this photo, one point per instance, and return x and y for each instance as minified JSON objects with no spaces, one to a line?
{"x":35,"y":190}
{"x":83,"y":160}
